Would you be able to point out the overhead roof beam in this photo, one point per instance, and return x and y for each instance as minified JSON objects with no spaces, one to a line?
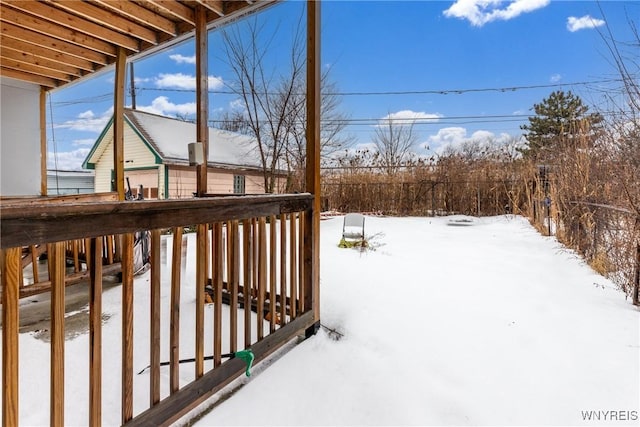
{"x":35,"y":69}
{"x":41,"y":26}
{"x":46,"y":53}
{"x":176,"y":9}
{"x":107,"y":18}
{"x":28,"y":77}
{"x":31,"y":59}
{"x":216,"y":6}
{"x":43,"y":40}
{"x":52,"y":15}
{"x":140,"y":15}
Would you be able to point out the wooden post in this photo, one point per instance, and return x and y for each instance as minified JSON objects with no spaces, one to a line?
{"x":217,"y":252}
{"x":34,"y":263}
{"x":293,"y":267}
{"x":95,"y":331}
{"x":303,"y":266}
{"x":233,"y":273}
{"x":174,"y":323}
{"x":154,"y":350}
{"x":202,"y":96}
{"x":43,"y":142}
{"x":262,"y":274}
{"x":118,"y":122}
{"x":127,"y":327}
{"x":272,"y":273}
{"x":247,"y":256}
{"x":283,"y":269}
{"x":57,"y":261}
{"x":10,"y":266}
{"x":312,"y":226}
{"x":202,"y":271}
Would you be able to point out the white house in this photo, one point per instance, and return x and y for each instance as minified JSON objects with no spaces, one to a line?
{"x":156,"y":157}
{"x":61,"y":182}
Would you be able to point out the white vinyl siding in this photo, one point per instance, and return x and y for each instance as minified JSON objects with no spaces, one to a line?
{"x":136,"y":155}
{"x":20,"y":173}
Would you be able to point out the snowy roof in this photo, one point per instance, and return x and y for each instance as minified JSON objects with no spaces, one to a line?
{"x":170,"y":138}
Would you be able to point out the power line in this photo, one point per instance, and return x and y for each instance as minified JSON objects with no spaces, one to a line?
{"x":443,"y":120}
{"x":506,"y":89}
{"x":410,"y":92}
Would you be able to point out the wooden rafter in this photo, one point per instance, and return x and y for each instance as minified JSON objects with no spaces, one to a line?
{"x":107,"y":18}
{"x":53,"y":17}
{"x":22,"y":18}
{"x":140,"y":15}
{"x":43,"y":40}
{"x":54,"y":42}
{"x":39,"y":51}
{"x":175,"y":10}
{"x":216,"y":6}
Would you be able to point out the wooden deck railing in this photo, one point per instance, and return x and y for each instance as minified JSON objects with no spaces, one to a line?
{"x":251,"y":254}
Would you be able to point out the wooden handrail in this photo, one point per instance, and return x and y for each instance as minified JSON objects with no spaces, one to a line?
{"x":22,"y":226}
{"x":247,"y":235}
{"x":50,"y":200}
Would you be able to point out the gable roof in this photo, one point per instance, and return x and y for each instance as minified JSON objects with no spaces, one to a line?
{"x":168,"y":139}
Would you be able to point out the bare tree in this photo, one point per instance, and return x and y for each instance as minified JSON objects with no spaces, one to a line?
{"x":274,"y":106}
{"x":268,"y":100}
{"x":394,"y":139}
{"x":233,"y":121}
{"x":621,"y":141}
{"x":332,"y":135}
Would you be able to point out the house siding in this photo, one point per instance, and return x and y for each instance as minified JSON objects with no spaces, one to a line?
{"x":20,"y":173}
{"x":182,"y":182}
{"x":148,"y":178}
{"x":136,"y":156}
{"x":144,"y":165}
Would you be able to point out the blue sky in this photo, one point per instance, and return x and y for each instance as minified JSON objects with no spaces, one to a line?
{"x":464,"y":69}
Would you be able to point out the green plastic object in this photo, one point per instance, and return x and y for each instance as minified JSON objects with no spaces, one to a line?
{"x":247,"y":356}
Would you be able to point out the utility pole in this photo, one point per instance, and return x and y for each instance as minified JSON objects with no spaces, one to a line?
{"x":132,"y":86}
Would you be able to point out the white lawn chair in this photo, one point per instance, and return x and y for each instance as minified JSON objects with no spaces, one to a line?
{"x":353,"y":227}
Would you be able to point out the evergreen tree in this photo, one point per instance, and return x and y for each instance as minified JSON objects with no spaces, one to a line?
{"x":559,"y":119}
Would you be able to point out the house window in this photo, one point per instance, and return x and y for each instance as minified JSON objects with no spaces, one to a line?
{"x":238,"y":184}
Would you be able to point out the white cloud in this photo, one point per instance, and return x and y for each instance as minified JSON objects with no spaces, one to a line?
{"x":583,"y":23}
{"x":88,"y":121}
{"x":185,"y":81}
{"x":455,"y":138}
{"x":139,"y":80}
{"x":445,"y":137}
{"x":181,"y":59}
{"x":86,"y":141}
{"x":404,"y":117}
{"x":480,"y":12}
{"x":237,"y":104}
{"x":555,"y":78}
{"x":67,"y":160}
{"x":162,"y":106}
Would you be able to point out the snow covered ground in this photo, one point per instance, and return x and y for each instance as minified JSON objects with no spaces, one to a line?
{"x":488,"y":324}
{"x":482,"y":324}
